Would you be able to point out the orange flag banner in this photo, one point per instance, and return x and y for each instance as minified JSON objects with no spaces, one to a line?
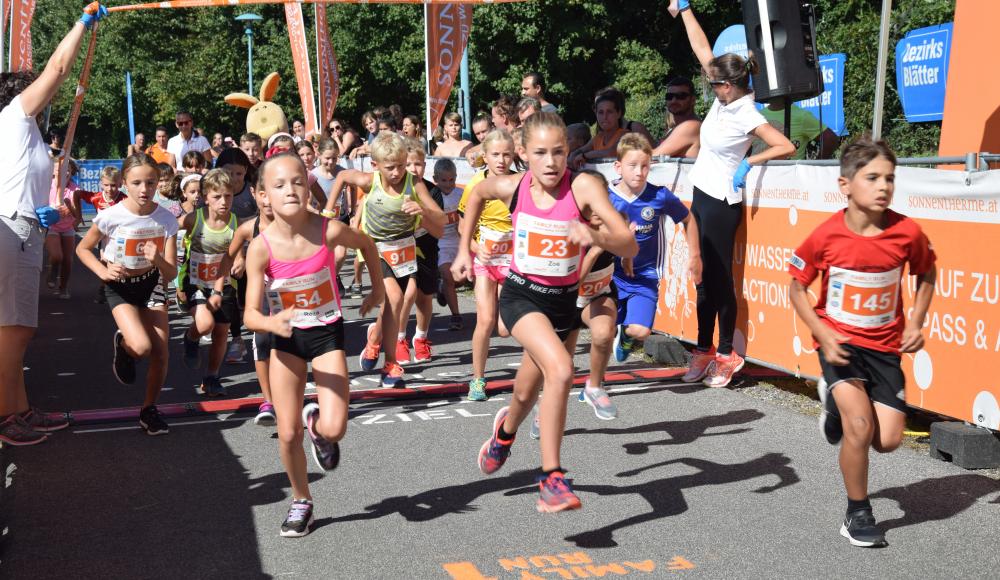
{"x":20,"y":34}
{"x":300,"y":58}
{"x":202,"y":3}
{"x":329,"y":78}
{"x":447,"y":32}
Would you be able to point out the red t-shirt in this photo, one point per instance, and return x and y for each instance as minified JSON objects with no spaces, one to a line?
{"x":96,"y":199}
{"x":861,"y":294}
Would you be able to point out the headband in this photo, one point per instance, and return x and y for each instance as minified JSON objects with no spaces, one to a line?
{"x":189,"y":178}
{"x":270,"y":142}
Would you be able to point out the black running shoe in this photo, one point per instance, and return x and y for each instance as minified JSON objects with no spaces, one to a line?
{"x":152,"y":421}
{"x":829,"y":418}
{"x":325,"y":453}
{"x":298,"y":520}
{"x":860,"y":529}
{"x":123,"y":364}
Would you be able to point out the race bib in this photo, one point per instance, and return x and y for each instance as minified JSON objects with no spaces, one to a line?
{"x":313,"y":296}
{"x":597,"y":283}
{"x":862,"y":299}
{"x":180,"y":246}
{"x":451,"y":225}
{"x":500,"y":245}
{"x":401,"y":255}
{"x":130,"y":243}
{"x":542,"y":247}
{"x":204,"y":269}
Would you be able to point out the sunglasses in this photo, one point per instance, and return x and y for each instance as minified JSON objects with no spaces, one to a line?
{"x":672,"y":96}
{"x":336,"y":128}
{"x":182,"y":123}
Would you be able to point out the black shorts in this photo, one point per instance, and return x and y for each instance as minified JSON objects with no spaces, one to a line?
{"x":226,"y":313}
{"x":310,"y":343}
{"x":427,"y":264}
{"x":388,"y":273}
{"x":241,"y":291}
{"x":521,"y":296}
{"x":262,"y":342}
{"x":880,"y":371}
{"x":143,"y":291}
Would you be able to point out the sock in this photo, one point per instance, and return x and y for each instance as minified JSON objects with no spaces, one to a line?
{"x":419,"y":334}
{"x":504,"y":436}
{"x":858,"y":504}
{"x":401,"y":335}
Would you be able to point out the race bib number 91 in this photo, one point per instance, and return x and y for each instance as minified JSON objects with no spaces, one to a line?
{"x":862,"y":299}
{"x":131,"y":243}
{"x":401,"y":255}
{"x":312,"y":296}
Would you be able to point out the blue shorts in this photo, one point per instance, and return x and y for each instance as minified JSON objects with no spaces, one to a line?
{"x":637,"y":300}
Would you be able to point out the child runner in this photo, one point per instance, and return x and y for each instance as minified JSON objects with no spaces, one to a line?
{"x":61,"y":237}
{"x":110,"y":194}
{"x":251,"y":144}
{"x":293,"y":261}
{"x":325,"y":173}
{"x":193,"y":162}
{"x":307,"y":153}
{"x":453,"y":145}
{"x":206,"y":288}
{"x":493,"y":248}
{"x":188,"y":188}
{"x":262,"y":341}
{"x":390,"y":213}
{"x":166,"y":195}
{"x":423,"y":291}
{"x":858,"y":323}
{"x":551,"y":210}
{"x":445,"y":176}
{"x":647,"y":206}
{"x":138,"y":257}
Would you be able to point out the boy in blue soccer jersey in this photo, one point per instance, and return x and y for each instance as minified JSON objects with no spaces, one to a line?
{"x":644,"y":205}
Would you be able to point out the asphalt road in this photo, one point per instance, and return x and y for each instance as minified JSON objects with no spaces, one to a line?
{"x":687,"y":481}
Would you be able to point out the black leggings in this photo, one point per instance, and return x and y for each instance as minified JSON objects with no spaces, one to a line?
{"x":717,"y":225}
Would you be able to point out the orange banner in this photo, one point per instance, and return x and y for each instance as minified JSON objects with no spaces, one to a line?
{"x":74,"y":114}
{"x":203,"y":3}
{"x":300,"y":57}
{"x":448,"y":28}
{"x":329,"y":78}
{"x":20,"y":34}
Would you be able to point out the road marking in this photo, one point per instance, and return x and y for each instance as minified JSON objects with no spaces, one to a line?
{"x":171,"y":424}
{"x":63,"y":339}
{"x":65,"y":374}
{"x":564,"y":565}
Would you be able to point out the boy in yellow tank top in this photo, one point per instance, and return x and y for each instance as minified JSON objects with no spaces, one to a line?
{"x":394,"y":205}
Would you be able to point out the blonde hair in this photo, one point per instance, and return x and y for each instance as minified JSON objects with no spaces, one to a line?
{"x":388,"y":146}
{"x":541,"y":120}
{"x":633,"y":142}
{"x":414,"y":146}
{"x":139,"y":160}
{"x":497,"y":136}
{"x":216,"y":180}
{"x":112,"y":173}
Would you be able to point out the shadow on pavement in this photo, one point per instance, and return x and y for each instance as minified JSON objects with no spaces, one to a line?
{"x":121,"y":504}
{"x":680,"y":432}
{"x":937,"y":499}
{"x":666,"y":497}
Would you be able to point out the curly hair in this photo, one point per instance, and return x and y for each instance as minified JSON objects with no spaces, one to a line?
{"x":13,"y":84}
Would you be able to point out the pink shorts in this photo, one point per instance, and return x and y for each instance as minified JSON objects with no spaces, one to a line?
{"x":496,"y":273}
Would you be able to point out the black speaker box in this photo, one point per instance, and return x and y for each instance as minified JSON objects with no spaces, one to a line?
{"x":789,"y":63}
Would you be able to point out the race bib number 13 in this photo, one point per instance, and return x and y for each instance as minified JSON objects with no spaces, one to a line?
{"x":862,"y":299}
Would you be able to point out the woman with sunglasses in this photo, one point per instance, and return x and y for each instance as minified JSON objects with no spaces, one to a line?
{"x":683,"y":126}
{"x":719,"y":177}
{"x":343,"y":135}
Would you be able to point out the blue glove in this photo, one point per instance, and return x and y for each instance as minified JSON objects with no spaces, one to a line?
{"x":47,"y":216}
{"x":740,"y":178}
{"x":92,"y":13}
{"x":683,"y":5}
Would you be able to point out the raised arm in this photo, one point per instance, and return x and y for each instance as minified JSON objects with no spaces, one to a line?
{"x":696,"y":36}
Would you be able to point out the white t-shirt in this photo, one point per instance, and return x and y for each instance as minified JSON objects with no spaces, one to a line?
{"x":25,"y":165}
{"x":179,"y":147}
{"x":725,"y":139}
{"x":451,"y":237}
{"x":124,"y":230}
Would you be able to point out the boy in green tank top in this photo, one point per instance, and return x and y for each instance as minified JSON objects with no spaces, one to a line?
{"x":207,"y":290}
{"x":394,"y":205}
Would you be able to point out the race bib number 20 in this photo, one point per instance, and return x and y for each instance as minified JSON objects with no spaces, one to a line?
{"x":862,"y":299}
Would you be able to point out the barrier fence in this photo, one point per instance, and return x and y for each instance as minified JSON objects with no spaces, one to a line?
{"x":958,"y":210}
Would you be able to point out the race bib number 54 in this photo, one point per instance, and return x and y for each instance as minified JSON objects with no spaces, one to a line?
{"x":862,"y":299}
{"x":313,"y":297}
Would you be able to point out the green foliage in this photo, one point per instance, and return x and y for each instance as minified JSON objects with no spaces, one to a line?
{"x":190,"y":59}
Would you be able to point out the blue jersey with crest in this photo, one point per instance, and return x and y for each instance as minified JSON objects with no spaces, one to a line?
{"x":648,"y":211}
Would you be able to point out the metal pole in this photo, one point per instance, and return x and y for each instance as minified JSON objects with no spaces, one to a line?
{"x":465,"y":103}
{"x":427,"y":75}
{"x":128,"y":101}
{"x":883,"y":57}
{"x":3,"y":30}
{"x":249,"y":33}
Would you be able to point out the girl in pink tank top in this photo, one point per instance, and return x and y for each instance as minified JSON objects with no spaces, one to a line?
{"x":291,"y":265}
{"x":538,"y":300}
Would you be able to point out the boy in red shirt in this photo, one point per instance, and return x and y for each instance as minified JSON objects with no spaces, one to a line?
{"x":858,"y":323}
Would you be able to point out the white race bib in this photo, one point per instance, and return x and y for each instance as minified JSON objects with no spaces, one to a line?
{"x":204,"y":269}
{"x":130,"y":242}
{"x":180,"y":245}
{"x":313,"y":296}
{"x":862,"y":299}
{"x":401,"y":255}
{"x":542,"y":247}
{"x":499,"y":244}
{"x":597,"y":282}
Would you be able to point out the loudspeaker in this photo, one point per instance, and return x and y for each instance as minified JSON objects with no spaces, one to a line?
{"x":781,"y":34}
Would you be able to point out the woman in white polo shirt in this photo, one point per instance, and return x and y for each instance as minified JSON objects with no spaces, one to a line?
{"x":25,"y":179}
{"x":719,"y":178}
